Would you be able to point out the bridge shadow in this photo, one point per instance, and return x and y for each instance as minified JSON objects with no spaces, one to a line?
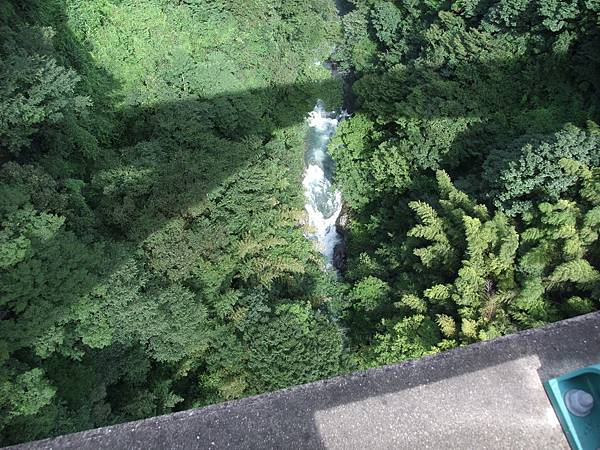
{"x":165,"y":163}
{"x":489,"y":394}
{"x":144,"y":187}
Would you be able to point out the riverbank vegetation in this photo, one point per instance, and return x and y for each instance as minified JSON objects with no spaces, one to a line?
{"x":151,"y":152}
{"x":151,"y":257}
{"x":471,"y":170}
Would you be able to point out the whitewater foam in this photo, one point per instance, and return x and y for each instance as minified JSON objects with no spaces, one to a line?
{"x":323,"y":202}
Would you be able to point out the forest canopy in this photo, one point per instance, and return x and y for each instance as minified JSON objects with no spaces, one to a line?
{"x":470,"y":169}
{"x":152,"y":252}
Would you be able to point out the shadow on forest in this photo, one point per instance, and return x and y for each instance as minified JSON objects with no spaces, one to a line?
{"x":490,"y":105}
{"x":190,"y":146}
{"x":438,"y":400}
{"x":160,"y":160}
{"x":169,"y":156}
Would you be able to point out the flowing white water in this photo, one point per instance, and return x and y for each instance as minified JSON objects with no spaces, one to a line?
{"x":323,"y":202}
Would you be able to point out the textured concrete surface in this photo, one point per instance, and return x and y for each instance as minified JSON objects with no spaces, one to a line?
{"x":485,"y":396}
{"x":502,"y":406}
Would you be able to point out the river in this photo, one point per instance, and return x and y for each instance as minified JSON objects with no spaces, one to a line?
{"x":323,"y":201}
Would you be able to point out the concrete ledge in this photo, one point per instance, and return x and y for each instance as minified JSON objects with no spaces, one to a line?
{"x":487,"y":395}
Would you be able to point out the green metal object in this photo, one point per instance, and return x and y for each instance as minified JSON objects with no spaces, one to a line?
{"x":578,"y":414}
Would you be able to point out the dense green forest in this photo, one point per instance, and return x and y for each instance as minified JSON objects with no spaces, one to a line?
{"x":471,"y":169}
{"x":152,"y":255}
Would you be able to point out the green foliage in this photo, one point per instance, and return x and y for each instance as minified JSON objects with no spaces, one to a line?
{"x":556,"y":13}
{"x":431,"y":228}
{"x":411,"y":337}
{"x":500,"y":96}
{"x":150,"y":157}
{"x":151,"y":252}
{"x":507,"y":14}
{"x":476,"y":277}
{"x":530,"y":169}
{"x":447,"y":325}
{"x":485,"y":275}
{"x":36,"y":91}
{"x":368,"y":293}
{"x":25,"y":394}
{"x":172,"y":324}
{"x":295,"y":346}
{"x":358,"y":50}
{"x":386,"y":19}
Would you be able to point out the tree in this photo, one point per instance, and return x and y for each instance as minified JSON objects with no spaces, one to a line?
{"x":530,"y":170}
{"x":36,"y":91}
{"x":296,"y":346}
{"x":483,"y":281}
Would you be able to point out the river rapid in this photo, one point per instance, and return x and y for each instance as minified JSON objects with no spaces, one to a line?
{"x":323,"y":201}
